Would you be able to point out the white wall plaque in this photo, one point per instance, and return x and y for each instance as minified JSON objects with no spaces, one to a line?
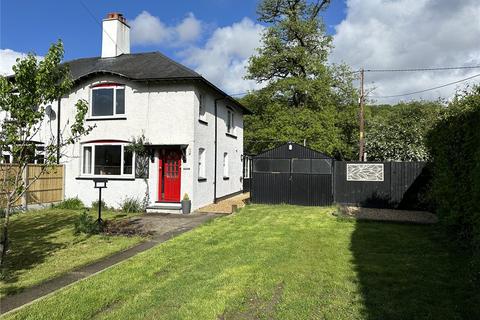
{"x":365,"y":172}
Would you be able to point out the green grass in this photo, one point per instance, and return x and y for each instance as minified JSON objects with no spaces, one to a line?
{"x":43,"y":246}
{"x":278,"y":262}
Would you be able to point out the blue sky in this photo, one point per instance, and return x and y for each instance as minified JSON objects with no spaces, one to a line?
{"x":217,"y":37}
{"x":34,"y":29}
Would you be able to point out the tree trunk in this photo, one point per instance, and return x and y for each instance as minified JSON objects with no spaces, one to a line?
{"x":4,"y":241}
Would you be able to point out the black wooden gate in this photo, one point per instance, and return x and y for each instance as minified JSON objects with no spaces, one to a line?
{"x":292,"y":174}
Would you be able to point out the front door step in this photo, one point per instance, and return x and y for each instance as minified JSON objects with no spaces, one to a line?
{"x":165,"y":207}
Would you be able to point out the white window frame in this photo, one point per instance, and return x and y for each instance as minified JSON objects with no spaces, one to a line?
{"x":202,"y":170}
{"x":35,"y":161}
{"x":230,"y":121}
{"x":122,"y":154}
{"x":226,"y":173}
{"x":115,"y":87}
{"x":202,"y":111}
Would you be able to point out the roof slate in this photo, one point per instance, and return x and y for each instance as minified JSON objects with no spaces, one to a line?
{"x":141,"y":67}
{"x":138,"y":66}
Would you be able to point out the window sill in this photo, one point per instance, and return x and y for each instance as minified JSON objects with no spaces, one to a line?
{"x":226,"y":178}
{"x":105,"y":118}
{"x":231,"y":135}
{"x":202,"y":179}
{"x":106,"y":177}
{"x":203,"y":122}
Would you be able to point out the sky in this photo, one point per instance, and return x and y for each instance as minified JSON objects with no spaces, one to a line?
{"x":216,"y":37}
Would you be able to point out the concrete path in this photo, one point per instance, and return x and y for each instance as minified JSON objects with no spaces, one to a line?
{"x":163,"y":227}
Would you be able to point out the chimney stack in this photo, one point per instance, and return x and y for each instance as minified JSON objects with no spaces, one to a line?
{"x":115,"y":35}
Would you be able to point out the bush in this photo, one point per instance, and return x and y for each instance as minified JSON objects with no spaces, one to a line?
{"x":86,"y":224}
{"x":95,"y":205}
{"x":70,"y":203}
{"x":132,"y":204}
{"x":455,"y":149}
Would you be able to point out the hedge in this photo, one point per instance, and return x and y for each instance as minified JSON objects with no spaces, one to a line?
{"x":454,"y":144}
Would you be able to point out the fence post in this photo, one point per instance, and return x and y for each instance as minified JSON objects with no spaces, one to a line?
{"x":25,"y":183}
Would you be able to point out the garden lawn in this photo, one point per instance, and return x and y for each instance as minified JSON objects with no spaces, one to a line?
{"x":43,"y":246}
{"x":278,"y":262}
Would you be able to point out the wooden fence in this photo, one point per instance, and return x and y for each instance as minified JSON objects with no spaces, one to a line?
{"x":48,"y":188}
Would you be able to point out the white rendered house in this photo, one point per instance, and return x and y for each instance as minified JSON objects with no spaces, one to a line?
{"x":194,"y":130}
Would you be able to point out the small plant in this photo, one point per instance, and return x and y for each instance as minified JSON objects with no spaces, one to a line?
{"x":95,"y":205}
{"x":132,"y":204}
{"x":70,"y":203}
{"x":185,"y":197}
{"x":86,"y":224}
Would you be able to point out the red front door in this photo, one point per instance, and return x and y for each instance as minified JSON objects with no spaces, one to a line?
{"x":170,"y":175}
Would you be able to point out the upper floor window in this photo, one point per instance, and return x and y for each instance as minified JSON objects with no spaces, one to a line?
{"x":107,"y":159}
{"x":108,"y":100}
{"x":201,"y":107}
{"x":230,"y":122}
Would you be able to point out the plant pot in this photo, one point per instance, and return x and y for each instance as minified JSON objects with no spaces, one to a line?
{"x":186,"y":206}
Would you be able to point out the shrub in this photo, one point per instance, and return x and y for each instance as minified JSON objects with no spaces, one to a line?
{"x":86,"y":224}
{"x":70,"y":203}
{"x":131,"y":204}
{"x":455,"y":149}
{"x":95,"y":205}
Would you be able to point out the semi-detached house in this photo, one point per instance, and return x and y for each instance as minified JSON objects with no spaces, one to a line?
{"x":194,"y":130}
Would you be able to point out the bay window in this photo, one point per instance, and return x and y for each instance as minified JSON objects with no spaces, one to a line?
{"x":108,"y":100}
{"x":107,"y":160}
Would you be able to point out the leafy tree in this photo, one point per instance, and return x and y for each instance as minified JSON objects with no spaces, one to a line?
{"x":304,"y":98}
{"x":398,"y":132}
{"x":23,"y":101}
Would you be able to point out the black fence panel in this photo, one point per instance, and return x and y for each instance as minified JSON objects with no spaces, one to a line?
{"x":397,"y":183}
{"x":366,"y":193}
{"x":294,"y":174}
{"x":270,"y":188}
{"x":293,"y":181}
{"x":311,"y":189}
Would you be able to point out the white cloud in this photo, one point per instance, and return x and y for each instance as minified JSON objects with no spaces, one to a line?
{"x":8,"y":58}
{"x":189,"y":29}
{"x":224,"y":57}
{"x":385,"y":34}
{"x":148,"y":29}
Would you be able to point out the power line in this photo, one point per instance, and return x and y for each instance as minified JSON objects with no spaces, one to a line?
{"x":401,"y":70}
{"x":421,"y":69}
{"x":429,"y":89}
{"x":100,"y":24}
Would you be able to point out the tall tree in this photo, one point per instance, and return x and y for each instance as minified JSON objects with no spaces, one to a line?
{"x":398,"y":132}
{"x":299,"y":83}
{"x":23,"y":101}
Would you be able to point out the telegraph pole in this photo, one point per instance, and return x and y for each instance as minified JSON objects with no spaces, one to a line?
{"x":362,"y":117}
